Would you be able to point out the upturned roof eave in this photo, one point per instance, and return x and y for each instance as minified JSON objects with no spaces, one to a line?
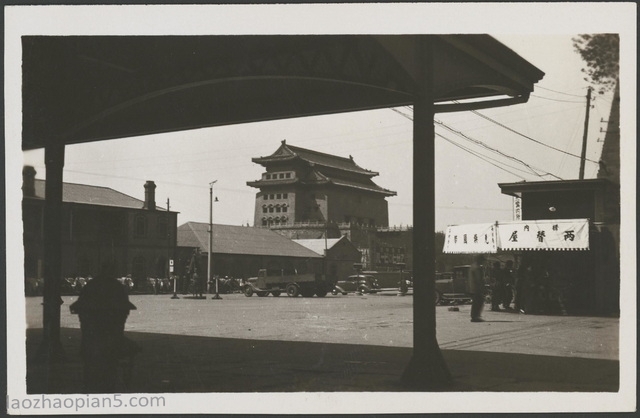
{"x":265,"y":161}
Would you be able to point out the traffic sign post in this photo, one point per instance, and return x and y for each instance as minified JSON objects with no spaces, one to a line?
{"x":175,"y":281}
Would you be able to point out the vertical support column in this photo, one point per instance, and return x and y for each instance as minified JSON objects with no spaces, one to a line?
{"x":50,"y":350}
{"x":427,"y":369}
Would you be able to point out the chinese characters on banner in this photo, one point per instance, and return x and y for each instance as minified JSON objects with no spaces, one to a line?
{"x":474,"y":238}
{"x":517,"y":209}
{"x":558,"y":235}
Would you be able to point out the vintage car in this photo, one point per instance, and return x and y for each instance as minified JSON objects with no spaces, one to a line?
{"x":359,"y":283}
{"x":455,"y":287}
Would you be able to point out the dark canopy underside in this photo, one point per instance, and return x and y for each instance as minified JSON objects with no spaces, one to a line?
{"x":88,"y":88}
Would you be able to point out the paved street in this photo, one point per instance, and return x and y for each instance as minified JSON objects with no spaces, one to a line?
{"x":383,"y":320}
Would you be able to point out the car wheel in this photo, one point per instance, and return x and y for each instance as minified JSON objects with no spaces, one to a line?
{"x":321,"y":293}
{"x":262,"y":294}
{"x":292,"y":290}
{"x":276,"y":294}
{"x":363,"y":289}
{"x":248,"y":291}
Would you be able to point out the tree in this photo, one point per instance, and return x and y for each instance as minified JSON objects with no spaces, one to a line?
{"x":601,"y":52}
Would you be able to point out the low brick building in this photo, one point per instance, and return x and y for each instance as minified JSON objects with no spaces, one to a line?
{"x":100,"y":224}
{"x":340,"y":255}
{"x":240,"y":251}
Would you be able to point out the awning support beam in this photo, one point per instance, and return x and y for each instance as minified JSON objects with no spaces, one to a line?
{"x":427,"y":369}
{"x":50,"y":350}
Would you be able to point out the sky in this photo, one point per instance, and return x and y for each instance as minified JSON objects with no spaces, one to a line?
{"x":182,"y":164}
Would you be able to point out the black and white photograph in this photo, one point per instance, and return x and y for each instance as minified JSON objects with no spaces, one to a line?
{"x":320,"y":208}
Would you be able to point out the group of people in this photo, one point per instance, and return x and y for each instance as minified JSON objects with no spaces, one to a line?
{"x":508,"y":286}
{"x":503,"y":282}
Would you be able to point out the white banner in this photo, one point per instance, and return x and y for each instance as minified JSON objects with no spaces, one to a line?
{"x":473,"y":238}
{"x":517,"y":209}
{"x":557,"y":235}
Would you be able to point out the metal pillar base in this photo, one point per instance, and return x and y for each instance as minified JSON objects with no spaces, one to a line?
{"x":216,"y":296}
{"x":175,"y":296}
{"x":427,"y":372}
{"x":50,"y":351}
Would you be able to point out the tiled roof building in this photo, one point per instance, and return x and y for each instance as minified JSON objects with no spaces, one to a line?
{"x":230,"y":239}
{"x":92,"y":195}
{"x":100,"y":224}
{"x":240,"y":251}
{"x":301,"y":185}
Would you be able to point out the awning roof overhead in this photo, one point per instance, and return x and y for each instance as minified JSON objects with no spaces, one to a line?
{"x":86,"y":88}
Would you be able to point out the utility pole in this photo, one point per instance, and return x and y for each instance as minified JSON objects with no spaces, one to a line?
{"x":583,"y":156}
{"x":210,"y":259}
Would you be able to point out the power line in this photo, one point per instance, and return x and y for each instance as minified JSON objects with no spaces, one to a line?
{"x":528,"y":137}
{"x":477,"y":142}
{"x":479,"y":156}
{"x":555,"y":100}
{"x":559,"y":92}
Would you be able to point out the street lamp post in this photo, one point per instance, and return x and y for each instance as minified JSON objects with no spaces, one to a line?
{"x":210,"y":267}
{"x":169,"y":260}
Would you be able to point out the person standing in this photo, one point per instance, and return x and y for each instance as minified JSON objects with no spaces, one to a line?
{"x":509,"y":282}
{"x":497,"y":286}
{"x":103,"y":307}
{"x":476,"y":279}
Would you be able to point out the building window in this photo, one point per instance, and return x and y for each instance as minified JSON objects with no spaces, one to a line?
{"x":278,"y":209}
{"x":285,"y":195}
{"x":271,"y":196}
{"x":265,"y":197}
{"x":284,"y":209}
{"x":288,"y":175}
{"x":162,"y":226}
{"x":264,"y":222}
{"x":278,"y":196}
{"x":141,"y":226}
{"x":281,"y":175}
{"x":267,"y":176}
{"x":271,"y":209}
{"x":264,"y":209}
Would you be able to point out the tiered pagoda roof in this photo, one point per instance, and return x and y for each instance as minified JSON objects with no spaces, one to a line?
{"x":325,"y":169}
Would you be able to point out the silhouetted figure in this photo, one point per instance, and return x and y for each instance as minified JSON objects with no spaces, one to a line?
{"x":103,"y":307}
{"x":477,"y":288}
{"x":497,"y":286}
{"x":509,"y":285}
{"x":198,"y":279}
{"x":522,"y":285}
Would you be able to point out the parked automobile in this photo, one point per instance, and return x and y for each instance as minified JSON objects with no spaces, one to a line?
{"x":453,"y":286}
{"x":357,"y":283}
